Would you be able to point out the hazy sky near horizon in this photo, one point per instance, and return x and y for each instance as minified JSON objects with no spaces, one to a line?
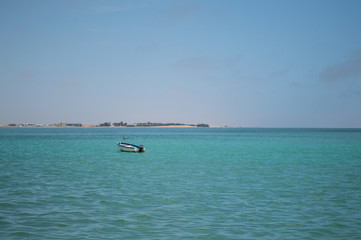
{"x":241,"y":63}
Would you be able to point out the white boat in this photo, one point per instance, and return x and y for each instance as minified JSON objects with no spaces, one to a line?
{"x":127,"y":147}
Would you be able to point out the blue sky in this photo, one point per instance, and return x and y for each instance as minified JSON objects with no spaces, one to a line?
{"x":235,"y":63}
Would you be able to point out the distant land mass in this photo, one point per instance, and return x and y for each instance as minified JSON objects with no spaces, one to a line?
{"x":109,"y":124}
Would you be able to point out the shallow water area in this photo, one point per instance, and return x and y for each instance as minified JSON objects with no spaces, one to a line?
{"x":191,"y":183}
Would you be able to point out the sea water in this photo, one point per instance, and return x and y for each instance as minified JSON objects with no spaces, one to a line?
{"x":198,"y":183}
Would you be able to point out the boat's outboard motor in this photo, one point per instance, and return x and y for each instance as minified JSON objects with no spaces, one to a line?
{"x":141,"y":148}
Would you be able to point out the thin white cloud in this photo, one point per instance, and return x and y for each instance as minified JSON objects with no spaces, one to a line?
{"x":70,"y":86}
{"x":193,"y":64}
{"x":179,"y":12}
{"x":202,"y":63}
{"x":175,"y":89}
{"x":26,"y":75}
{"x":114,"y":9}
{"x":346,"y":70}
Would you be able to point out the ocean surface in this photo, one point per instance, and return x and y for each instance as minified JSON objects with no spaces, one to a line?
{"x":199,"y":183}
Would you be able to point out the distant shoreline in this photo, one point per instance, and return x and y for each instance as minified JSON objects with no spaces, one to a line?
{"x":96,"y":126}
{"x":179,"y":126}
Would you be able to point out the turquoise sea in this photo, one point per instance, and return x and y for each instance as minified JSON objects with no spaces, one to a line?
{"x":199,"y":183}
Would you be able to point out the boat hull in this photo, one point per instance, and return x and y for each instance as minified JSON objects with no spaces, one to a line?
{"x":126,"y":147}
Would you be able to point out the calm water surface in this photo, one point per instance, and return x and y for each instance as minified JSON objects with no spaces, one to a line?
{"x":189,"y":184}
